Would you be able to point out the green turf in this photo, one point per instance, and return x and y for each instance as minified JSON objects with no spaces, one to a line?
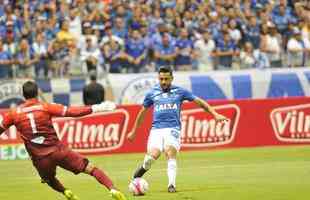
{"x":281,"y":173}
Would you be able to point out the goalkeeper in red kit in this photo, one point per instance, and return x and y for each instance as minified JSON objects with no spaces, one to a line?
{"x":33,"y":120}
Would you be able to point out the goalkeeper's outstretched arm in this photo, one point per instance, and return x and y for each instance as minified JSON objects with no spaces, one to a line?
{"x":59,"y":110}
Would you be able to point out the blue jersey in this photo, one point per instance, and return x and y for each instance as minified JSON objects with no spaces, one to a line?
{"x":167,"y":106}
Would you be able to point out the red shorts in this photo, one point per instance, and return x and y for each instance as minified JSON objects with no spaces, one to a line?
{"x":64,"y":158}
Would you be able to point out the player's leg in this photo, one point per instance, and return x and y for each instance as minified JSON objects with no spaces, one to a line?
{"x":152,"y":155}
{"x":171,"y":154}
{"x":154,"y":149}
{"x":77,"y":163}
{"x":103,"y":179}
{"x":46,"y":168}
{"x":172,"y":146}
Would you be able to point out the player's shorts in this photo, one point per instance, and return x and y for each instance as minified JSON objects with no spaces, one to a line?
{"x":161,"y":138}
{"x":64,"y":158}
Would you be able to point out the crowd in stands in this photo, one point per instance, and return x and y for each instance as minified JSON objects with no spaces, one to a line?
{"x":57,"y":38}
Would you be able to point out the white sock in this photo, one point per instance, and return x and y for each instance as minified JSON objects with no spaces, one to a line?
{"x":172,"y":171}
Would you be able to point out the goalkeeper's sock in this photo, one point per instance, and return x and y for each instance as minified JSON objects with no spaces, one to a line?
{"x":172,"y":171}
{"x":102,"y":178}
{"x":55,"y":184}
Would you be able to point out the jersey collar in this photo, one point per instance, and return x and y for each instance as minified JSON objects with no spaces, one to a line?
{"x":31,"y":101}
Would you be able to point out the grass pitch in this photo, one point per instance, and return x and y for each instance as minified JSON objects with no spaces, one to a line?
{"x":271,"y":173}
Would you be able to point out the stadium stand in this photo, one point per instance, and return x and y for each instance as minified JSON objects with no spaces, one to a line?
{"x":60,"y":38}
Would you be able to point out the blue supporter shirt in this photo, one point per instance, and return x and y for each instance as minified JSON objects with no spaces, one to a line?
{"x":167,"y":105}
{"x":185,"y":46}
{"x":135,"y":48}
{"x":2,"y":31}
{"x":224,"y":47}
{"x":4,"y":69}
{"x":165,"y":50}
{"x":252,"y":35}
{"x":282,"y":22}
{"x":122,"y":33}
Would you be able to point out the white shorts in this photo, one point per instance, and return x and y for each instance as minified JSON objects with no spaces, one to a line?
{"x":161,"y":138}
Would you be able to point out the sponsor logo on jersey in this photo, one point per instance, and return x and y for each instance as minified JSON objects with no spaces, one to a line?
{"x":166,"y":106}
{"x":10,"y":93}
{"x":199,"y":129}
{"x":94,"y":133}
{"x":136,"y":89}
{"x":292,"y":123}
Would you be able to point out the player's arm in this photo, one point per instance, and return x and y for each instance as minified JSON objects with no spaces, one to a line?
{"x":147,"y":103}
{"x":141,"y":115}
{"x":59,"y":110}
{"x":208,"y":108}
{"x":6,"y":120}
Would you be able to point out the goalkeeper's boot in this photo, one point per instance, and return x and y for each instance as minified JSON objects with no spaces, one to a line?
{"x":69,"y":195}
{"x":171,"y":189}
{"x":117,"y":195}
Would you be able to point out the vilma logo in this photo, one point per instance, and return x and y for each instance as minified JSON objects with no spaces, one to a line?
{"x":10,"y":93}
{"x":292,"y":123}
{"x":95,"y":133}
{"x":201,"y":130}
{"x":136,"y":89}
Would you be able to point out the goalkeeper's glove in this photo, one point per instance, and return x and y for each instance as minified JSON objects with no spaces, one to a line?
{"x":104,"y":106}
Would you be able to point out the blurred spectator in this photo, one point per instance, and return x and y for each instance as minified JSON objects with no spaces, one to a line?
{"x":5,"y":62}
{"x":98,"y":21}
{"x":11,"y":47}
{"x":119,"y":28}
{"x":88,"y":33}
{"x":90,"y":55}
{"x":296,"y":50}
{"x":252,"y":58}
{"x":74,"y":21}
{"x":184,"y":51}
{"x":75,"y":63}
{"x":271,"y":45}
{"x":51,"y":29}
{"x":40,"y":47}
{"x":234,"y":32}
{"x":204,"y":48}
{"x":165,"y":52}
{"x":136,"y":52}
{"x":156,"y":38}
{"x":225,"y":50}
{"x":113,"y":56}
{"x":8,"y":30}
{"x":251,"y":32}
{"x":110,"y":36}
{"x":305,"y":31}
{"x":58,"y":52}
{"x":64,"y":35}
{"x":26,"y":60}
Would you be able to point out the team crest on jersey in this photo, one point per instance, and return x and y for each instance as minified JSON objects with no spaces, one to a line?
{"x":136,"y":89}
{"x":10,"y":93}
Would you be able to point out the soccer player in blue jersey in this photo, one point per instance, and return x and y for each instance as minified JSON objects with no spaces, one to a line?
{"x":166,"y":127}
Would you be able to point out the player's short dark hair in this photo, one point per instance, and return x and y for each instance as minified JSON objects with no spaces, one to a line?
{"x":93,"y":77}
{"x":165,"y":69}
{"x":30,"y":90}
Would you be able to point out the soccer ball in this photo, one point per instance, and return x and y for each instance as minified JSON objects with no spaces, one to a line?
{"x":138,"y":186}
